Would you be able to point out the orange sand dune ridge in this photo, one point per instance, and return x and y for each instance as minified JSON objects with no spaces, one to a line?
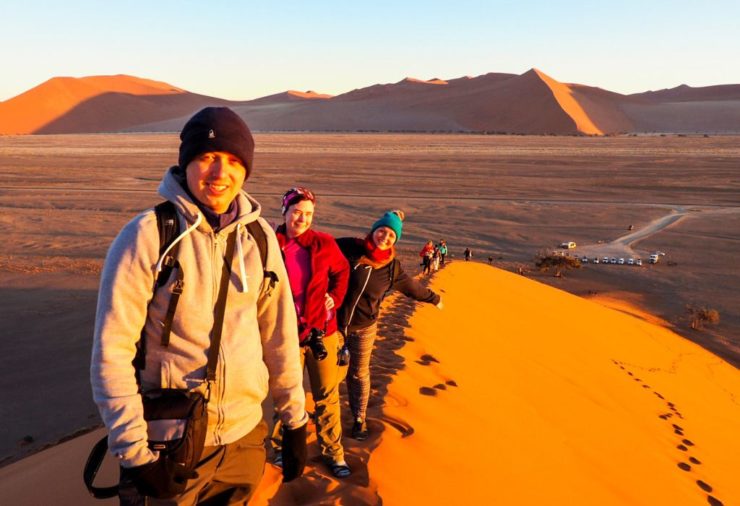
{"x":50,"y":100}
{"x":556,"y":400}
{"x":518,"y":393}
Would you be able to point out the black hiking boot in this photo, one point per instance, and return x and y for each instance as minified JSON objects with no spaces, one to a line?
{"x":359,"y":430}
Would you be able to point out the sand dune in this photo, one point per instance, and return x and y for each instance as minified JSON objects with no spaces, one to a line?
{"x":39,"y":106}
{"x":530,"y":103}
{"x":515,"y":394}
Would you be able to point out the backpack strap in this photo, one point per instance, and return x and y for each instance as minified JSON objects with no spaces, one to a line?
{"x":256,"y":231}
{"x":169,"y":228}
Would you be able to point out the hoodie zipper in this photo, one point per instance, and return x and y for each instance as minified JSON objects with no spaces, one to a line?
{"x":357,"y":301}
{"x":220,"y":385}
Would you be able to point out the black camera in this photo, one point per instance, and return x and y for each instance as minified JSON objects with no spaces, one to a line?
{"x":343,"y":355}
{"x":316,"y":343}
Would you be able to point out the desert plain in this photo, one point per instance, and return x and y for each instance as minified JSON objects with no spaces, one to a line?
{"x":63,"y":198}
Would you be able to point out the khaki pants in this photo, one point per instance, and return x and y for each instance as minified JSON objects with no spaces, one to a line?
{"x":325,"y":377}
{"x":227,"y":474}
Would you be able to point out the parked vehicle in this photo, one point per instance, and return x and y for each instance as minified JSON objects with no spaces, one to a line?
{"x":654,"y":258}
{"x":630,"y":261}
{"x":584,"y":260}
{"x":605,"y":260}
{"x":638,"y":261}
{"x":568,"y":245}
{"x":621,"y":261}
{"x":596,"y":260}
{"x":613,"y":261}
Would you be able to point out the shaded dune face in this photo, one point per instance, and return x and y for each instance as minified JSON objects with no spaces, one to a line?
{"x":530,"y":103}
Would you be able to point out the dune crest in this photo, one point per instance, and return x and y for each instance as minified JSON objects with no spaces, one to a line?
{"x":564,"y":95}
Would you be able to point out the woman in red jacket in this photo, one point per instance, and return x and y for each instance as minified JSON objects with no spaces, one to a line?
{"x":318,"y":275}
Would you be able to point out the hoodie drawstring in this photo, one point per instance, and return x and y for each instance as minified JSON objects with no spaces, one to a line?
{"x":192,"y":227}
{"x":240,"y":251}
{"x":240,"y":254}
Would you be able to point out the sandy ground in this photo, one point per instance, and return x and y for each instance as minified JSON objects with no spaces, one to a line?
{"x":63,"y":199}
{"x":482,"y":403}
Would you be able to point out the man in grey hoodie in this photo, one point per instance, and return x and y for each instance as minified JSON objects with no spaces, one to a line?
{"x":258,"y":350}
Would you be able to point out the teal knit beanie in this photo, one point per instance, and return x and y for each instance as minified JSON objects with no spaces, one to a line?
{"x":392,"y":220}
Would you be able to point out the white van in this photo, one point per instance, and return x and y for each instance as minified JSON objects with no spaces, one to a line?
{"x":654,"y":258}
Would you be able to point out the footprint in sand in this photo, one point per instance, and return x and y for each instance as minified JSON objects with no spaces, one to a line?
{"x":395,"y":400}
{"x":682,"y":448}
{"x":659,"y":396}
{"x":706,"y":487}
{"x":400,"y":425}
{"x":713,"y":501}
{"x":428,"y":391}
{"x":451,"y":383}
{"x":694,"y":460}
{"x":428,"y":359}
{"x":440,"y":386}
{"x":684,"y":466}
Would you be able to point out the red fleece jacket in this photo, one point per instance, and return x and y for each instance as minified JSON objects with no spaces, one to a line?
{"x":329,"y":274}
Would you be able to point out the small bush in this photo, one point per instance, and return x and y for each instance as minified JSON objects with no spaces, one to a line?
{"x":701,"y":316}
{"x":545,"y":261}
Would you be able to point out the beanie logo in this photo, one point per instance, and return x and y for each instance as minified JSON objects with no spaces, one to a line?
{"x":211,"y":134}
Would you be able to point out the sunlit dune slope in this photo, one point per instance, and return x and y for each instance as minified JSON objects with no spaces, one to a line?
{"x":518,"y":393}
{"x":50,"y":100}
{"x":572,"y":108}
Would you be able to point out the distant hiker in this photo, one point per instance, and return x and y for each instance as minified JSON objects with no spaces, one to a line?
{"x":490,"y":260}
{"x":435,"y":259}
{"x":233,"y":331}
{"x":318,"y":275}
{"x":426,"y":254}
{"x":442,"y":251}
{"x":374,"y":270}
{"x":468,"y":254}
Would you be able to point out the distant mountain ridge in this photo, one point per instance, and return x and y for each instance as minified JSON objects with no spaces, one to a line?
{"x":530,"y":103}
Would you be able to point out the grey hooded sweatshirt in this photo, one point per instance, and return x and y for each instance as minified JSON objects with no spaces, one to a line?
{"x":259,"y":345}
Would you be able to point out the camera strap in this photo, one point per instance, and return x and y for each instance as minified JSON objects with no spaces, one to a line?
{"x":220,"y":309}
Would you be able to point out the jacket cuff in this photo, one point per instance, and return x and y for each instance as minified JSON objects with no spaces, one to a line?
{"x":134,"y":457}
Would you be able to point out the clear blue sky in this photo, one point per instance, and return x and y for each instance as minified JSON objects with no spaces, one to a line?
{"x":246,"y":49}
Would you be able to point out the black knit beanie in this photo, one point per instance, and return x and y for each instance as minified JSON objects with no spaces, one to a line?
{"x":216,"y":129}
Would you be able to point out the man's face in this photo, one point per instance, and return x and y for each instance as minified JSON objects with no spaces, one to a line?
{"x":215,"y":178}
{"x":298,"y":218}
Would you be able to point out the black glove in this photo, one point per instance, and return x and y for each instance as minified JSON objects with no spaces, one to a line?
{"x":294,"y":452}
{"x":161,"y":479}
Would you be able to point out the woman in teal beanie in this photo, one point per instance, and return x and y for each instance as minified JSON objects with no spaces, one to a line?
{"x":374,"y":269}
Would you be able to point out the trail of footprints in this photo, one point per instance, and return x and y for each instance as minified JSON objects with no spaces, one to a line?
{"x":685,"y":445}
{"x":427,"y":359}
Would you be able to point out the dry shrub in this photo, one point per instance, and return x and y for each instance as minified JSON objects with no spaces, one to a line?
{"x":701,"y":316}
{"x":545,"y":261}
